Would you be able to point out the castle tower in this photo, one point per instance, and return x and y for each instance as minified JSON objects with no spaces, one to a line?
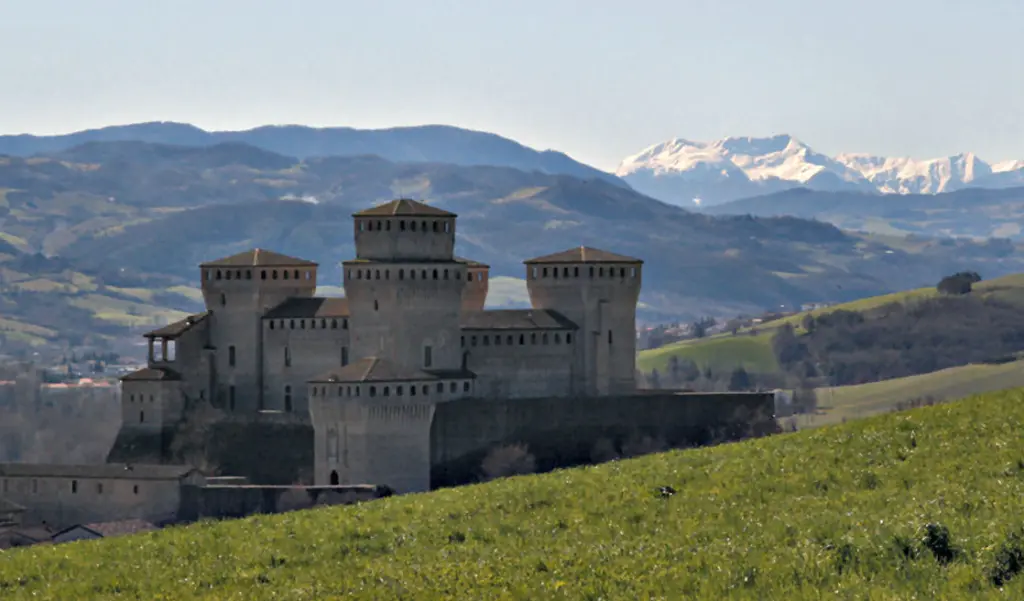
{"x":474,"y":295}
{"x":238,"y":290}
{"x":405,"y":288}
{"x":598,"y":290}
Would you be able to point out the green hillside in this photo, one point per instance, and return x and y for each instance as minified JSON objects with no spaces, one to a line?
{"x":753,"y":351}
{"x":923,"y":504}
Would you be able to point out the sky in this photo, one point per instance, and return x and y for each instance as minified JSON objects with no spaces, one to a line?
{"x":595,"y":79}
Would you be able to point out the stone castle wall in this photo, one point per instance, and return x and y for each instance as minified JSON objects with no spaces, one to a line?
{"x":562,"y":432}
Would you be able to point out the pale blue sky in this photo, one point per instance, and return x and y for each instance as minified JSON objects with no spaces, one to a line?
{"x":598,"y":80}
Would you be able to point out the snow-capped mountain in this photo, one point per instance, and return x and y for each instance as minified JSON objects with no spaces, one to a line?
{"x":691,"y":173}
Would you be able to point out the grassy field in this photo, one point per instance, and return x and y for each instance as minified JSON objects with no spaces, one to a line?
{"x":754,"y":353}
{"x":923,"y":504}
{"x":850,"y":402}
{"x":725,"y":352}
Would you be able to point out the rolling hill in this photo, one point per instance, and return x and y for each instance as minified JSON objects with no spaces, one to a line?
{"x":428,"y":143}
{"x":922,"y":504}
{"x":143,"y":212}
{"x":974,"y":212}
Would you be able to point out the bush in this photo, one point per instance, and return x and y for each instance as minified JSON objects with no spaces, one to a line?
{"x":509,"y":460}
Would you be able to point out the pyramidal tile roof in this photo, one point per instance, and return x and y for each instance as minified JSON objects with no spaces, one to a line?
{"x":404,"y":207}
{"x":583,"y":254}
{"x":373,"y":369}
{"x":258,"y":257}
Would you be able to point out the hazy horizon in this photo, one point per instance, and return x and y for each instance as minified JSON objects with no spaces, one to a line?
{"x":596,"y":80}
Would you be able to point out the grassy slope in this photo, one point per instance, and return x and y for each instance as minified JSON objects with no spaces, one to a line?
{"x":725,"y":351}
{"x":836,"y":511}
{"x":849,"y":402}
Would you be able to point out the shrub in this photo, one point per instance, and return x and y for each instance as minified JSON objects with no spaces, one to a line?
{"x":1009,"y":560}
{"x":509,"y":460}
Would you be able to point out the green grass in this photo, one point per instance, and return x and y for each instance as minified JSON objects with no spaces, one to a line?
{"x":850,"y":402}
{"x":754,"y":353}
{"x":838,"y":512}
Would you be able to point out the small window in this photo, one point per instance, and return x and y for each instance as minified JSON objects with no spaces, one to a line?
{"x":600,"y":272}
{"x":296,"y":274}
{"x":509,"y":341}
{"x":323,"y":324}
{"x":446,"y":274}
{"x":465,"y":387}
{"x":387,"y":274}
{"x":398,"y":389}
{"x":387,"y":225}
{"x":376,"y":274}
{"x":288,"y":397}
{"x":223,"y":300}
{"x":522,"y":339}
{"x":447,"y":227}
{"x":453,"y":387}
{"x":218,"y":274}
{"x":428,"y":356}
{"x":544,"y":338}
{"x":568,"y":338}
{"x":291,"y":324}
{"x":435,"y":274}
{"x":609,"y":336}
{"x":227,"y":275}
{"x":487,"y":340}
{"x":387,"y":390}
{"x":426,"y":389}
{"x":472,"y":340}
{"x":271,"y":324}
{"x":302,"y":324}
{"x":497,"y":340}
{"x":376,"y":306}
{"x":412,"y":389}
{"x":401,"y":274}
{"x":575,"y":272}
{"x":362,"y":226}
{"x":533,"y":338}
{"x":334,"y":324}
{"x":440,"y":387}
{"x":632,"y":272}
{"x":544,"y":273}
{"x":287,"y":357}
{"x":142,"y":417}
{"x":558,"y":339}
{"x":285,"y":273}
{"x":231,"y":356}
{"x":554,"y":272}
{"x":435,"y":227}
{"x":401,"y":225}
{"x":463,"y":340}
{"x":263,"y":274}
{"x":373,"y":390}
{"x":248,"y":274}
{"x":99,"y":488}
{"x":273,"y":274}
{"x":344,"y":324}
{"x":74,"y":486}
{"x":591,"y":272}
{"x":412,"y":225}
{"x":135,"y":489}
{"x":238,"y":274}
{"x":344,"y":356}
{"x":534,"y":272}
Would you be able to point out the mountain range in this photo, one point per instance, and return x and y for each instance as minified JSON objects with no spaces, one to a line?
{"x":105,"y":236}
{"x":427,"y":143}
{"x":700,"y":174}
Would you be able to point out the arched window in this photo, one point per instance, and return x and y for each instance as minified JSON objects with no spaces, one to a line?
{"x":544,"y":338}
{"x":423,"y":275}
{"x":509,"y":340}
{"x":426,"y":389}
{"x":447,"y":227}
{"x":373,"y":390}
{"x":248,"y":274}
{"x":465,"y":387}
{"x":334,"y":324}
{"x":632,"y":272}
{"x":323,"y":324}
{"x":435,"y":227}
{"x":401,"y":274}
{"x":575,"y":272}
{"x":227,"y":275}
{"x":398,"y":389}
{"x":344,"y":324}
{"x":291,"y":324}
{"x":218,"y":274}
{"x":522,"y":339}
{"x":558,"y":339}
{"x":554,"y":272}
{"x":401,"y":225}
{"x":568,"y":338}
{"x":412,"y":274}
{"x":412,"y":225}
{"x":334,"y":473}
{"x":223,"y":299}
{"x":544,"y":273}
{"x":440,"y":387}
{"x":271,"y":324}
{"x":284,"y":272}
{"x":591,"y":272}
{"x":435,"y":274}
{"x":74,"y":486}
{"x":376,"y":274}
{"x":273,"y":274}
{"x":263,"y":274}
{"x":296,"y":274}
{"x":446,"y":274}
{"x":533,"y":338}
{"x":362,"y":226}
{"x":533,"y":272}
{"x":387,"y":225}
{"x":453,"y":387}
{"x":238,"y":274}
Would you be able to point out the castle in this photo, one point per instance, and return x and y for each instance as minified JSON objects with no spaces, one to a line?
{"x":411,"y":333}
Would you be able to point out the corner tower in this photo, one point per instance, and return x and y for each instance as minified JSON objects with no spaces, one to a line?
{"x":238,"y":290}
{"x":598,"y":290}
{"x":405,"y":287}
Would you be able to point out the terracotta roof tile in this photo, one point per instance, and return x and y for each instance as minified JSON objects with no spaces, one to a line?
{"x":310,"y":307}
{"x":374,"y":369}
{"x":152,"y":373}
{"x":110,"y":471}
{"x":258,"y":257}
{"x":178,"y":328}
{"x":517,"y":319}
{"x":583,"y":254}
{"x":404,"y":207}
{"x":470,"y":262}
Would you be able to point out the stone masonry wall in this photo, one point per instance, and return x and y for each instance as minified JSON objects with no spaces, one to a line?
{"x":562,"y":432}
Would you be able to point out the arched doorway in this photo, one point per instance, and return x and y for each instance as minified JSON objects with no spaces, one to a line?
{"x":334,"y":478}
